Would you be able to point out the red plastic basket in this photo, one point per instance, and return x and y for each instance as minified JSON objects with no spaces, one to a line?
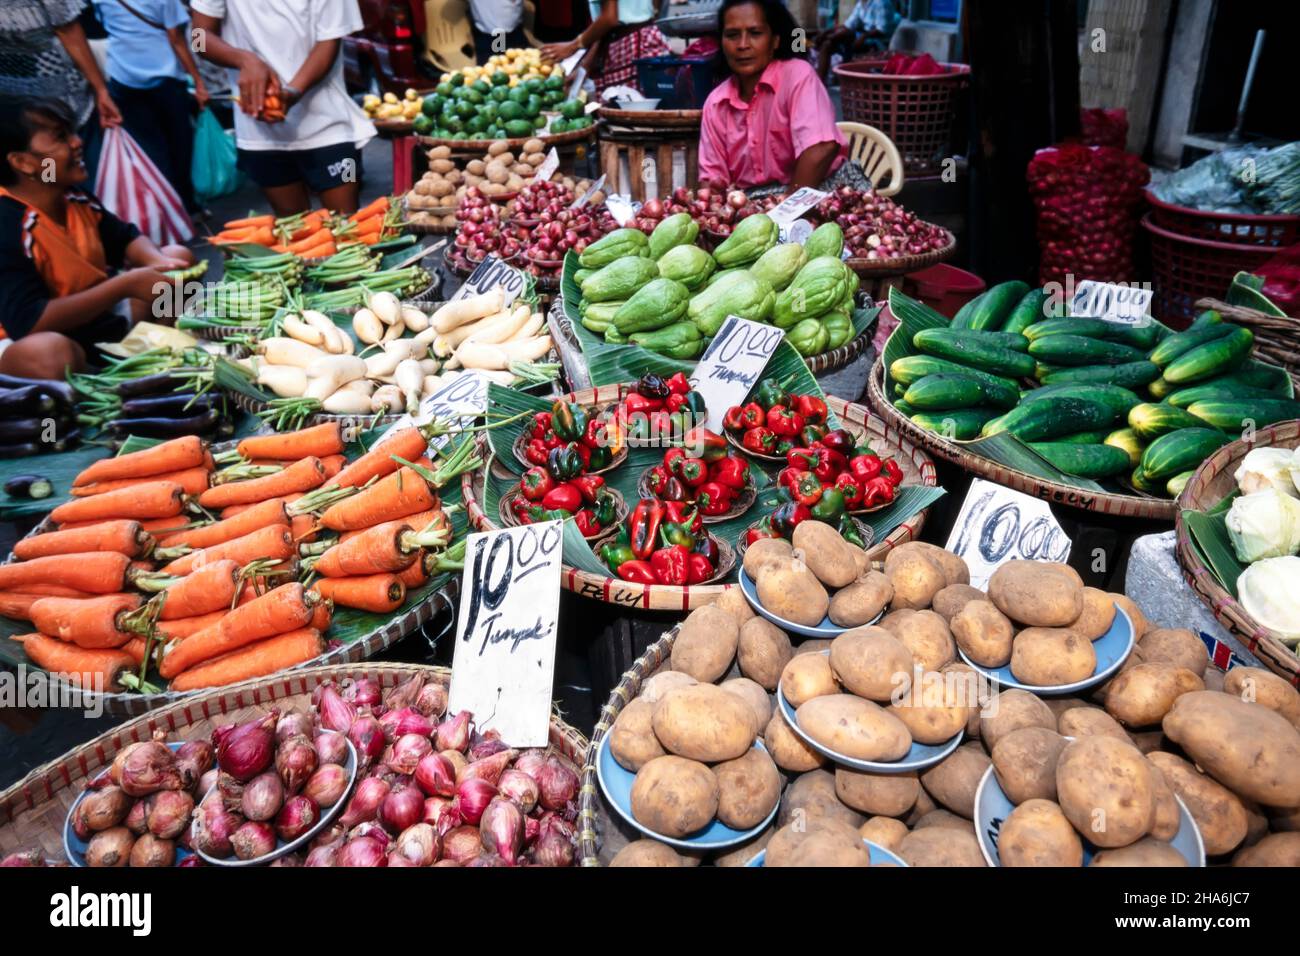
{"x":1186,"y":268}
{"x":916,"y":112}
{"x":1241,"y":229}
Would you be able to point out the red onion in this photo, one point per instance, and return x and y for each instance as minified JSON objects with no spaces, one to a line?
{"x":335,"y":712}
{"x":196,"y":755}
{"x":331,"y":747}
{"x":105,"y":808}
{"x":363,"y":851}
{"x":298,"y":815}
{"x":485,"y":745}
{"x":404,"y":694}
{"x":362,"y":693}
{"x":557,"y":783}
{"x":169,"y":813}
{"x":461,"y":844}
{"x":206,"y":783}
{"x":212,"y":828}
{"x":434,"y":808}
{"x":192,"y":861}
{"x":553,"y":850}
{"x":137,"y":818}
{"x":472,"y":798}
{"x":457,"y":759}
{"x":368,"y":737}
{"x":501,"y":829}
{"x":453,"y":733}
{"x":489,"y":768}
{"x":365,"y":801}
{"x":419,"y":844}
{"x":435,"y":775}
{"x":295,"y":762}
{"x":23,"y":858}
{"x":150,"y":852}
{"x":231,"y":791}
{"x":395,"y":859}
{"x":402,"y":808}
{"x":373,"y":830}
{"x":327,"y":785}
{"x":291,"y":725}
{"x":653,"y":208}
{"x":263,"y":797}
{"x":246,"y":750}
{"x":519,"y":787}
{"x":253,"y":839}
{"x":332,"y":835}
{"x":102,"y":779}
{"x":149,"y":767}
{"x":322,"y":856}
{"x":398,"y":723}
{"x":532,"y":829}
{"x":530,"y":761}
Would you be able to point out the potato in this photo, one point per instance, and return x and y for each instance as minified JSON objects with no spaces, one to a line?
{"x":441,"y":189}
{"x":1214,"y":678}
{"x":940,"y":846}
{"x":476,"y":166}
{"x":816,"y":645}
{"x":872,"y":663}
{"x":742,"y":853}
{"x":1142,"y":695}
{"x":915,"y":575}
{"x":1145,"y":852}
{"x":943,"y":819}
{"x":883,"y":794}
{"x":1104,"y":787}
{"x":792,"y":592}
{"x":1177,"y":646}
{"x":514,"y":183}
{"x":632,"y":740}
{"x":654,"y":689}
{"x":754,"y":697}
{"x":748,"y":789}
{"x":1139,"y":620}
{"x":1085,"y":721}
{"x":497,"y":173}
{"x":706,"y":644}
{"x":1010,"y":711}
{"x":925,"y":805}
{"x":704,"y":723}
{"x":523,"y":170}
{"x":854,"y":727}
{"x":954,"y":597}
{"x":1258,"y":686}
{"x":826,"y":843}
{"x":934,"y":710}
{"x":954,"y":568}
{"x":862,"y":601}
{"x":824,"y":551}
{"x":926,"y":635}
{"x":884,"y":832}
{"x":1037,"y":593}
{"x":455,"y":177}
{"x":1219,"y":813}
{"x":763,"y":651}
{"x":441,"y":165}
{"x":534,"y":159}
{"x":1277,"y":849}
{"x":984,"y":633}
{"x":893,"y":621}
{"x":977,"y":690}
{"x":953,"y":781}
{"x":491,"y":188}
{"x":506,"y":159}
{"x":811,"y":799}
{"x":532,"y":145}
{"x":807,"y":676}
{"x":651,"y":853}
{"x":1167,"y":815}
{"x":1050,"y":656}
{"x":732,"y":600}
{"x":1036,"y":833}
{"x":440,"y":152}
{"x":1097,"y":615}
{"x":788,"y":750}
{"x":860,"y":558}
{"x":1283,"y":819}
{"x":674,"y":796}
{"x":1025,"y":763}
{"x":1099,"y":692}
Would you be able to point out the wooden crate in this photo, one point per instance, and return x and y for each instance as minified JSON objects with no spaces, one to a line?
{"x":648,"y":154}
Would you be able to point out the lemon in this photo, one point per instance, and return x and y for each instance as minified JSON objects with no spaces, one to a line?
{"x":390,"y":97}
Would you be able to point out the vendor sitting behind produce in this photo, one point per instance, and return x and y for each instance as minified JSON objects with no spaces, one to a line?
{"x":65,"y":261}
{"x":771,"y":120}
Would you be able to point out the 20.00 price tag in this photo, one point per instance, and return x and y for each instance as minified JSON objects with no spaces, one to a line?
{"x":504,"y":662}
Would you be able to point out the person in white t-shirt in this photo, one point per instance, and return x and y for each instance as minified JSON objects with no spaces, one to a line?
{"x":297,"y":130}
{"x":498,"y":26}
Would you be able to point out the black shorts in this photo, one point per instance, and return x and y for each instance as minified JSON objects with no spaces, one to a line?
{"x":322,"y":168}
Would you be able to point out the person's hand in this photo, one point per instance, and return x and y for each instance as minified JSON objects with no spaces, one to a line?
{"x":109,"y":114}
{"x":201,"y":94}
{"x":255,"y":80}
{"x":555,"y":52}
{"x":145,"y":283}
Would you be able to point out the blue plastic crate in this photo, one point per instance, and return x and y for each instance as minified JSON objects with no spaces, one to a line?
{"x":678,"y":82}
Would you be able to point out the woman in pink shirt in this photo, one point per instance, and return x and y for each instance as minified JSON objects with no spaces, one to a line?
{"x":771,"y":120}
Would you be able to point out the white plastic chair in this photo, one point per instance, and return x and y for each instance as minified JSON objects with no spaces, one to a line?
{"x":876,"y":154}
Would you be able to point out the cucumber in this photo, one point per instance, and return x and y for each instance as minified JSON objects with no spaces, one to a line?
{"x":1180,"y":342}
{"x":913,"y":368}
{"x":1149,"y":421}
{"x":1137,"y":336}
{"x":1042,"y":370}
{"x":1178,"y":451}
{"x":899,"y":390}
{"x":1208,"y":317}
{"x":962,"y":318}
{"x":1131,"y":375}
{"x":953,"y":390}
{"x":1084,"y":438}
{"x":996,"y":306}
{"x":1256,"y":374}
{"x":1040,"y":421}
{"x":1213,"y":358}
{"x":976,"y":350}
{"x":1083,"y":461}
{"x":1126,"y":439}
{"x":1212,"y":391}
{"x":1233,"y":416}
{"x":1078,"y":350}
{"x":1029,"y":311}
{"x":959,"y":423}
{"x":1120,"y":398}
{"x":904,"y":408}
{"x":1138,"y":481}
{"x":1175,"y":485}
{"x":1161,"y":389}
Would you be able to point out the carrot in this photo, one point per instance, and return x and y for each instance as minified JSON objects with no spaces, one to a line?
{"x":158,"y":499}
{"x":92,"y":669}
{"x":287,"y":608}
{"x":256,"y":660}
{"x":236,"y":510}
{"x":193,"y":480}
{"x":257,"y":516}
{"x":17,"y":605}
{"x":303,"y":528}
{"x":417,"y":521}
{"x":87,"y":622}
{"x":303,"y":475}
{"x":408,"y":443}
{"x":319,"y":440}
{"x":321,"y":237}
{"x":322,"y":616}
{"x":154,"y":526}
{"x":273,"y":541}
{"x":136,"y":648}
{"x":266,"y":219}
{"x":54,"y":590}
{"x":374,"y":551}
{"x":415,"y":576}
{"x":400,"y":494}
{"x":124,"y":537}
{"x":182,"y":628}
{"x":377,"y":593}
{"x":175,"y":455}
{"x":99,"y":572}
{"x":375,"y":205}
{"x":208,"y":588}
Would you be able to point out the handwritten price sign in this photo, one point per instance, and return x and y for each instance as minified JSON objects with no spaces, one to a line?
{"x":732,"y":365}
{"x":997,"y":524}
{"x":504,"y":662}
{"x":462,"y":400}
{"x":491,"y":274}
{"x":1113,"y":302}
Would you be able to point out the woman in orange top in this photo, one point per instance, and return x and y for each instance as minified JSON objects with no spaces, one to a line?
{"x":65,"y":261}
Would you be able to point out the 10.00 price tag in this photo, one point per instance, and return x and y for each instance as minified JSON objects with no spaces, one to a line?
{"x":490,"y":274}
{"x":998,"y":524}
{"x":733,"y":363}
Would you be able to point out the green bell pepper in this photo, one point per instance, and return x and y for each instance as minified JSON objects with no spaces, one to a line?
{"x":681,"y":340}
{"x":769,"y":393}
{"x":830,"y":507}
{"x":568,"y":420}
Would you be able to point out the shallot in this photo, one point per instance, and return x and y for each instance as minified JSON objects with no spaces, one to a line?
{"x":432,"y":700}
{"x":252,"y":840}
{"x":368,"y":737}
{"x":327,"y":785}
{"x":363,"y":806}
{"x":519,"y":787}
{"x":169,"y":813}
{"x":407,"y":753}
{"x":245,"y":750}
{"x":295,"y":762}
{"x":472,"y":798}
{"x":419,"y":844}
{"x":298,"y":815}
{"x":331,"y":747}
{"x":362,"y":851}
{"x":403,"y":807}
{"x":501,"y":828}
{"x":149,"y":767}
{"x":435,"y":775}
{"x":105,"y":808}
{"x":453,"y":733}
{"x":263,"y":797}
{"x":557,"y":784}
{"x":461,"y":844}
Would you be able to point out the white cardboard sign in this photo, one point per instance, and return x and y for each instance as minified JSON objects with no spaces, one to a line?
{"x":490,"y":274}
{"x":504,"y":662}
{"x":585,"y":198}
{"x":549,"y":165}
{"x":620,"y":208}
{"x":462,"y":400}
{"x":997,"y":524}
{"x":732,"y":365}
{"x":791,"y":208}
{"x":1114,"y":302}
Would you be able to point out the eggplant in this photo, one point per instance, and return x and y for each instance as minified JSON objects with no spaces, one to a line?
{"x":61,"y":392}
{"x":69,"y":441}
{"x":165,"y":406}
{"x":27,"y":429}
{"x":21,"y":449}
{"x":29,"y":486}
{"x":146,"y":385}
{"x":28,"y":400}
{"x":165,"y":427}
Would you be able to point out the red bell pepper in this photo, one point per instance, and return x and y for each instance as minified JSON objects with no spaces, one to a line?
{"x":890,"y":467}
{"x":587,"y":486}
{"x":808,"y":489}
{"x":682,"y":512}
{"x":657,"y":479}
{"x":714,"y":498}
{"x":669,"y":564}
{"x":674,"y":402}
{"x":789,"y":477}
{"x":535,"y":483}
{"x":541,"y":424}
{"x":536,"y":451}
{"x":732,"y":471}
{"x":698,"y":568}
{"x":838,"y":440}
{"x":732,"y":421}
{"x":760,"y":531}
{"x":751,"y":416}
{"x":638,"y":572}
{"x":784,"y":422}
{"x":673,"y":460}
{"x":877,"y":491}
{"x":830,"y":464}
{"x":759,"y":440}
{"x":851,"y":489}
{"x":674,"y":490}
{"x":639,"y":404}
{"x":587,"y":524}
{"x":644,"y":526}
{"x":693,"y":472}
{"x":812,"y":408}
{"x":553,"y":440}
{"x":864,"y":467}
{"x":563,"y":497}
{"x":595,"y":436}
{"x":802,"y":459}
{"x":705,"y":444}
{"x":520,"y":506}
{"x":678,"y":384}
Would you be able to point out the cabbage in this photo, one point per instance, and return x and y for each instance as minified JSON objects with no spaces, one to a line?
{"x":1268,"y":592}
{"x":1264,"y":525}
{"x":1266,"y":468}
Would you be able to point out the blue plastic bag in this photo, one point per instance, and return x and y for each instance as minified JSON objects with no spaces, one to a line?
{"x":213,"y":169}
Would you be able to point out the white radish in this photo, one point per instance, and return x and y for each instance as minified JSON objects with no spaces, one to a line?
{"x":286,"y":381}
{"x":430,"y":366}
{"x":457,"y":313}
{"x":388,"y":398}
{"x":431,"y":384}
{"x":296,"y":328}
{"x":387,"y":306}
{"x":526,"y":350}
{"x":530,"y":328}
{"x":476,"y":355}
{"x":328,"y":375}
{"x":345,"y":402}
{"x":414,"y":319}
{"x":500,"y":377}
{"x":367,"y":326}
{"x":393,"y":333}
{"x":335,"y":342}
{"x":361,"y":385}
{"x":382,"y":364}
{"x":285,"y":351}
{"x":410,"y":379}
{"x":407,"y":348}
{"x":501,"y":329}
{"x":427,"y":337}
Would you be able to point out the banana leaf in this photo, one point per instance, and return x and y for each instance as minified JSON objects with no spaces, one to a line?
{"x":1247,"y":290}
{"x":1209,"y":535}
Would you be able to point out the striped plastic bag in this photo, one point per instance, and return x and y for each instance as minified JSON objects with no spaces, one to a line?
{"x":130,"y":185}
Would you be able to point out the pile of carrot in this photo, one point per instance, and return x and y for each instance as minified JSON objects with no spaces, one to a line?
{"x":228,"y":605}
{"x":318,"y":233}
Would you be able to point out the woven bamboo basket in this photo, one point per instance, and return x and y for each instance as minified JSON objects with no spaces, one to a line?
{"x":1102,"y":502}
{"x":842,"y":357}
{"x":917,"y":467}
{"x":1277,"y":338}
{"x":901,"y":265}
{"x":459,"y":146}
{"x":1213,"y":482}
{"x":32,"y":811}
